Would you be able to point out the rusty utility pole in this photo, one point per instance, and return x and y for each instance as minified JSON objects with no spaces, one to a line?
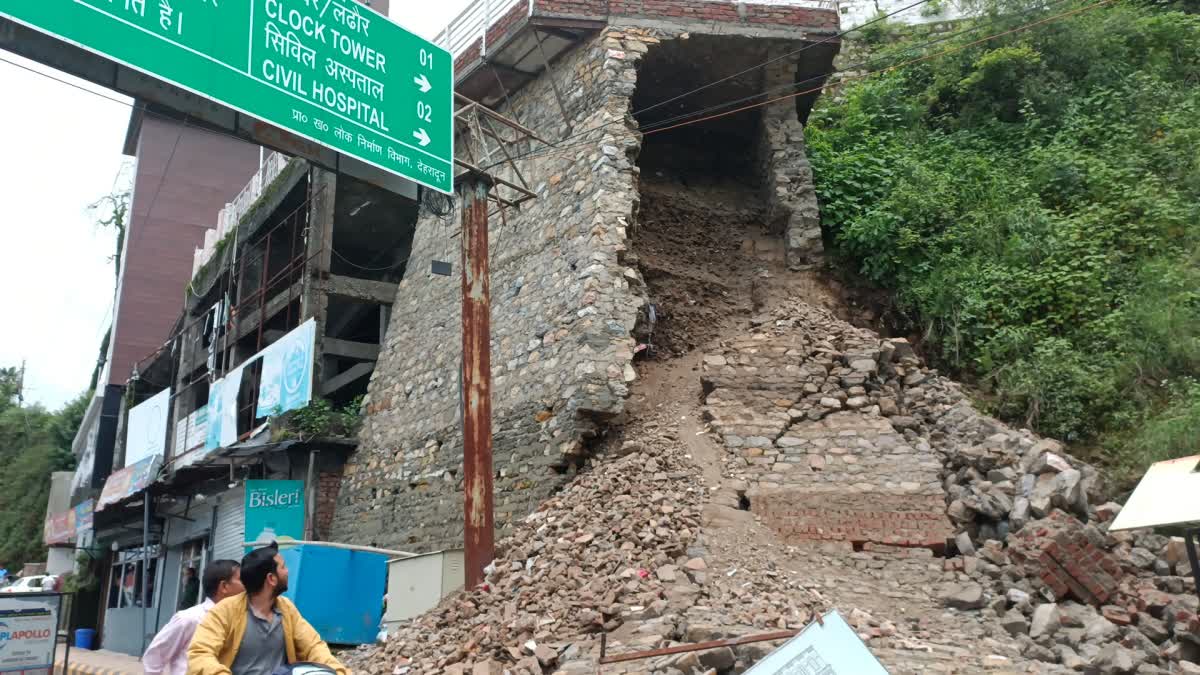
{"x":479,"y":531}
{"x":475,"y":189}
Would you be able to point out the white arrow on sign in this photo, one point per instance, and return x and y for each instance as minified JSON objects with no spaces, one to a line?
{"x":422,"y":82}
{"x":422,"y":137}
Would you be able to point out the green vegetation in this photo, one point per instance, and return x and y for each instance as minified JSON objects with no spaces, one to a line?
{"x":319,"y":419}
{"x":33,"y":443}
{"x":1033,"y":202}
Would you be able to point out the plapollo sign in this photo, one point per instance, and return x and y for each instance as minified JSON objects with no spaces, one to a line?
{"x":27,"y":633}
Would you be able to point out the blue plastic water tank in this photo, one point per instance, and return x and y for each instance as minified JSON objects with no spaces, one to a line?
{"x":85,"y":638}
{"x":339,"y":591}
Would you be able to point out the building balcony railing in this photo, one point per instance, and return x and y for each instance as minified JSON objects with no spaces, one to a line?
{"x":231,"y":215}
{"x":472,"y":23}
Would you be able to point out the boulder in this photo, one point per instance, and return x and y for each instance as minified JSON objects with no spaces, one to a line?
{"x":1014,"y":623}
{"x":1175,"y":551}
{"x":1068,"y":489}
{"x":1016,"y":596}
{"x":1107,"y":511}
{"x":966,"y":596}
{"x":1049,"y":462}
{"x":1041,"y":497}
{"x":1142,"y":558}
{"x":1100,"y":630}
{"x":718,"y":659}
{"x":1152,"y":628}
{"x":1046,"y":620}
{"x":1069,"y":658}
{"x":964,"y":544}
{"x":1113,"y":658}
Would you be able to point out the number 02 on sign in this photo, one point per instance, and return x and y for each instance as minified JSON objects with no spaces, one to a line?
{"x":332,"y":71}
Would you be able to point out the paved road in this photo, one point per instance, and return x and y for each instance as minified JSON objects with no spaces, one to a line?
{"x":99,"y":662}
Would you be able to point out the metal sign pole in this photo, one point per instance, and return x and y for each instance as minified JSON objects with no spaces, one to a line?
{"x":478,"y":531}
{"x":1189,"y":538}
{"x":67,"y":649}
{"x":145,"y":563}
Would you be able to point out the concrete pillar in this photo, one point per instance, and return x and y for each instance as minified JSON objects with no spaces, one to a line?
{"x":314,"y":301}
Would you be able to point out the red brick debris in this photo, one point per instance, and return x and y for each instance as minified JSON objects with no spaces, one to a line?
{"x":1057,"y":551}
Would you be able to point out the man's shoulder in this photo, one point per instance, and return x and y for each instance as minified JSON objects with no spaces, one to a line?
{"x":195,"y":613}
{"x":229,"y":606}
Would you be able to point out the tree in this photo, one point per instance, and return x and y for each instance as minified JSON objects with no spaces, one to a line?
{"x":1031,"y":202}
{"x":33,"y":444}
{"x":112,"y":211}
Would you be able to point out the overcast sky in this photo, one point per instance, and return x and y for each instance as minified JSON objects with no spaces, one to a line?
{"x":63,"y":152}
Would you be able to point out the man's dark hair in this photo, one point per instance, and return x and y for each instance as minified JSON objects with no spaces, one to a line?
{"x":216,"y":572}
{"x":257,"y":565}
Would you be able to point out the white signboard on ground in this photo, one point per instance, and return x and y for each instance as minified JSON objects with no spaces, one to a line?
{"x":832,"y":648}
{"x":147,"y":436}
{"x":28,"y":630}
{"x":1166,"y":495}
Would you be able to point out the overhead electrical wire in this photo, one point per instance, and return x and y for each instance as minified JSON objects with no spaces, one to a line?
{"x":666,"y":125}
{"x":902,"y":64}
{"x":764,"y":64}
{"x":365,"y":268}
{"x":127,"y":104}
{"x":669,"y":123}
{"x":811,"y":45}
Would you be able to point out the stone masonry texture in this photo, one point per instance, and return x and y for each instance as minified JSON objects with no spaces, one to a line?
{"x":565,"y":303}
{"x":806,"y":419}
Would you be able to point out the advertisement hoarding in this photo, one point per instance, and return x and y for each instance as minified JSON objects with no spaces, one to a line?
{"x":28,"y":632}
{"x":274,"y":510}
{"x":147,"y":424}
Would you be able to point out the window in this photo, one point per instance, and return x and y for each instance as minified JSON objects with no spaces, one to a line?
{"x":192,"y":558}
{"x":130,"y":568}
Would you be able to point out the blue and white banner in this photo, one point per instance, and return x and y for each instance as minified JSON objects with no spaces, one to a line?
{"x":222,"y":410}
{"x":287,"y":372}
{"x":285,"y":384}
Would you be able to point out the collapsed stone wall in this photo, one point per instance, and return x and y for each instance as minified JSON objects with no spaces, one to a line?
{"x":565,"y":304}
{"x":563,"y":308}
{"x":814,"y":414}
{"x":791,"y":195}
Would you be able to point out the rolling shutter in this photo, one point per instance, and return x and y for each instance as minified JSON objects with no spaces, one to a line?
{"x":230,"y":533}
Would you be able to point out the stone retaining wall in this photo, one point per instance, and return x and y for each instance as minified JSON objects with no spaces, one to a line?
{"x":563,"y":308}
{"x":811,"y":411}
{"x":565,"y":302}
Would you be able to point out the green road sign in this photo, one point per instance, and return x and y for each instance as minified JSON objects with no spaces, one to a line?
{"x":332,"y":71}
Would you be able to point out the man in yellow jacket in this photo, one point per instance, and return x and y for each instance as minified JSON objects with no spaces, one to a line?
{"x":255,"y":632}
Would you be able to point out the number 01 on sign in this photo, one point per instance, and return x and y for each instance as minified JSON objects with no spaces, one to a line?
{"x":333,"y":71}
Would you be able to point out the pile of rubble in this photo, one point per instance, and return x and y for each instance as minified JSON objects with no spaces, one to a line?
{"x":1074,"y":594}
{"x":615,"y":552}
{"x":1031,"y":571}
{"x":1030,"y":551}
